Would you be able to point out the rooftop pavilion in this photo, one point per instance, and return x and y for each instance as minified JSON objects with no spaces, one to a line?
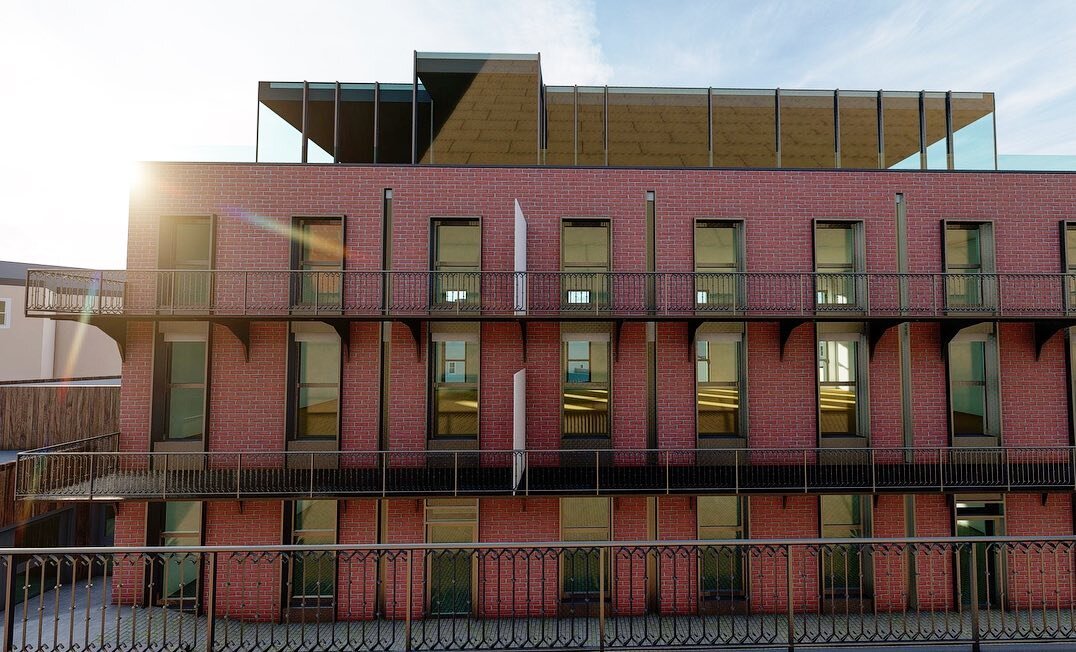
{"x":495,"y":109}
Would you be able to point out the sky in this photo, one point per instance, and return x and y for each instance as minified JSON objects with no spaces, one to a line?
{"x":91,"y":87}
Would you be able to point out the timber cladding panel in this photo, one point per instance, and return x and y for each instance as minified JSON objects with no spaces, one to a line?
{"x":36,"y":416}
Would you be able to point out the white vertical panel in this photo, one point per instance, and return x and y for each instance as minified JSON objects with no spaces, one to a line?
{"x":520,"y":242}
{"x":519,"y":424}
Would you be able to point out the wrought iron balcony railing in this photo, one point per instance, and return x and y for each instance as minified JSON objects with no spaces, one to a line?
{"x":67,"y":473}
{"x":561,"y":295}
{"x":543,"y":596}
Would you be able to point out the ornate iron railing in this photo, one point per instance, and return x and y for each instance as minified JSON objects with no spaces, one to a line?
{"x":67,"y":473}
{"x":593,"y":595}
{"x":384,"y":294}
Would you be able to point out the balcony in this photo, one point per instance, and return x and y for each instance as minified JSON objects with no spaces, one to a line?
{"x":545,"y":596}
{"x":93,"y":470}
{"x":290,"y":294}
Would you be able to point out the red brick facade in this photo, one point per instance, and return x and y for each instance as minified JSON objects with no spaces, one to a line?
{"x":254,"y":204}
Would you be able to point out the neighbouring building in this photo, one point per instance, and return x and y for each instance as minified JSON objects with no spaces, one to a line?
{"x":477,"y":308}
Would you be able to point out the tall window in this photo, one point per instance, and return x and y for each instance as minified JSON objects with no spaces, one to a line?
{"x":5,"y":313}
{"x":186,"y":253}
{"x":718,"y":366}
{"x":723,"y":573}
{"x":583,"y":519}
{"x":451,"y":573}
{"x":1070,"y":265}
{"x":585,"y":261}
{"x":846,"y":569}
{"x":968,"y":266}
{"x":316,"y":385}
{"x":455,"y":367}
{"x":842,"y":405}
{"x":457,"y":256}
{"x":318,"y":258}
{"x":973,"y":388}
{"x":981,"y":516}
{"x":311,"y":578}
{"x":839,"y":265}
{"x":585,"y":386}
{"x":181,"y":360}
{"x":178,"y":524}
{"x":718,"y":261}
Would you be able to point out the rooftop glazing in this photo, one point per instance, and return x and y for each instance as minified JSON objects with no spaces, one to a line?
{"x":486,"y":109}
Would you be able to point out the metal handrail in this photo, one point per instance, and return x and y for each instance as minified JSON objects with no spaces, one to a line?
{"x":384,"y":293}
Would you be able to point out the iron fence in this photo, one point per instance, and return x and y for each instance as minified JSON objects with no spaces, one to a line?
{"x":590,"y":595}
{"x":94,"y":470}
{"x":380,"y":294}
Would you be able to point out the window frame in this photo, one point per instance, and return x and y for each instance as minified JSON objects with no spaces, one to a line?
{"x":988,"y":334}
{"x":160,"y":390}
{"x":603,"y":336}
{"x":987,"y":267}
{"x":602,"y":281}
{"x":584,"y":596}
{"x":737,"y":333}
{"x":156,"y":517}
{"x":1068,"y":266}
{"x":290,"y":534}
{"x":739,"y":260}
{"x":855,"y":332}
{"x":866,"y":527}
{"x":859,"y":264}
{"x":166,"y":260}
{"x":291,"y":431}
{"x":740,"y":531}
{"x":470,"y":335}
{"x":446,"y":504}
{"x":469,"y":300}
{"x":5,"y":312}
{"x":297,"y":262}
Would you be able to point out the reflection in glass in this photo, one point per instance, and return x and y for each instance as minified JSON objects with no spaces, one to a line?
{"x":280,"y":122}
{"x":585,"y":283}
{"x":835,"y":262}
{"x":717,"y":261}
{"x":590,"y":129}
{"x":451,"y":572}
{"x":838,"y":387}
{"x":717,"y":376}
{"x":318,"y":392}
{"x":973,"y":131}
{"x":935,"y":131}
{"x":900,"y":130}
{"x":181,"y":526}
{"x":723,"y":573}
{"x":857,"y":113}
{"x":658,"y":127}
{"x":585,"y":388}
{"x":1070,"y":264}
{"x":744,"y":128}
{"x":967,"y":374}
{"x":964,"y":283}
{"x":455,"y":386}
{"x":846,"y":572}
{"x":583,"y":519}
{"x":807,"y":130}
{"x":457,"y":252}
{"x":319,"y":252}
{"x":313,"y":574}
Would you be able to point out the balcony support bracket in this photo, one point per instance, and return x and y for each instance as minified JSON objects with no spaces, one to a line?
{"x":116,"y":328}
{"x":1044,"y":330}
{"x":950,"y":328}
{"x":415,"y":326}
{"x":693,"y":326}
{"x":240,"y":328}
{"x":875,"y":331}
{"x":786,"y":326}
{"x":1043,"y":498}
{"x":343,"y":329}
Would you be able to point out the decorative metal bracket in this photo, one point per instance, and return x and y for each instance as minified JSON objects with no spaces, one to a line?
{"x":786,"y":326}
{"x":116,"y":328}
{"x":875,"y":331}
{"x":343,"y":329}
{"x":240,"y":328}
{"x":1045,"y":330}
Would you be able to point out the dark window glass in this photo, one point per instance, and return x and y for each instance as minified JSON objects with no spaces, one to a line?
{"x":356,"y":133}
{"x":1070,"y":263}
{"x":451,"y":572}
{"x":180,"y":526}
{"x":900,"y":130}
{"x":968,"y":387}
{"x":723,"y":568}
{"x":560,"y":125}
{"x":457,"y":254}
{"x":846,"y":569}
{"x":186,"y":252}
{"x":186,"y":390}
{"x":807,"y":130}
{"x":320,"y":122}
{"x":857,"y":112}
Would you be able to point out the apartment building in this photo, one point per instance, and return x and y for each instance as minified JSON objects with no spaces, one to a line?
{"x":477,"y":309}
